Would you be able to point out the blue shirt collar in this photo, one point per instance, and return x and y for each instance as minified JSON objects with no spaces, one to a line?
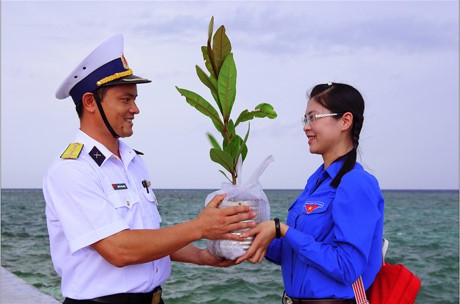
{"x":334,"y":168}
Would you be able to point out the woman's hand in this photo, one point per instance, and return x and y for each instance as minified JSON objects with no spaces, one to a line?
{"x":264,"y":234}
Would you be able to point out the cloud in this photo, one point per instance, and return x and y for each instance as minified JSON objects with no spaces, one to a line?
{"x":402,"y":55}
{"x":298,"y":27}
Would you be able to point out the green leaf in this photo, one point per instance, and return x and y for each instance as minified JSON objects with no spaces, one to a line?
{"x":210,"y":52}
{"x":236,"y":146}
{"x":215,"y":94}
{"x":211,"y":83}
{"x":244,"y":147}
{"x":244,"y":152}
{"x":232,"y":149}
{"x":205,"y":79}
{"x":225,"y":175}
{"x":213,"y":141}
{"x":207,"y":60}
{"x":226,"y":86}
{"x":203,"y":106}
{"x":210,"y":29}
{"x":231,"y":132}
{"x":262,"y":110}
{"x":221,"y":46}
{"x":244,"y":116}
{"x":265,"y":110}
{"x":222,"y":158}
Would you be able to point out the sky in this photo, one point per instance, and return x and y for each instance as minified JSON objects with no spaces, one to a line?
{"x":403,"y":56}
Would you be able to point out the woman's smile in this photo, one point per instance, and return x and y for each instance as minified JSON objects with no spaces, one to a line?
{"x":311,"y":138}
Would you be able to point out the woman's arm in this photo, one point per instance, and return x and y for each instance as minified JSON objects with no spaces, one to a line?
{"x":264,"y":234}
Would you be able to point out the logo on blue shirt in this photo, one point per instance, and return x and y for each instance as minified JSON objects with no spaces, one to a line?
{"x":312,"y":206}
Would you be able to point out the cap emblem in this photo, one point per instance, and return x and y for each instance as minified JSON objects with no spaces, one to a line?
{"x":124,"y":61}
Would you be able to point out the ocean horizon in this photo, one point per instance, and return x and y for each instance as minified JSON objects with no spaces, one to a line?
{"x":422,"y":227}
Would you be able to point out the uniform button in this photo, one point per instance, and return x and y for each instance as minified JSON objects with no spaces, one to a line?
{"x":156,"y":270}
{"x":128,"y":203}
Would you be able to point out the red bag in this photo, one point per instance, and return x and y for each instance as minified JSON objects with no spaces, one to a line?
{"x":394,"y":284}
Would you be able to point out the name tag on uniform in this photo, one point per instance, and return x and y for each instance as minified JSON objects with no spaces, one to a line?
{"x":119,"y":186}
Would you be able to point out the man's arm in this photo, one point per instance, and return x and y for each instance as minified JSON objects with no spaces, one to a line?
{"x":130,"y":247}
{"x":194,"y":255}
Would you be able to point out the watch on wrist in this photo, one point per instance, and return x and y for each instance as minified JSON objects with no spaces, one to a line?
{"x":277,"y":227}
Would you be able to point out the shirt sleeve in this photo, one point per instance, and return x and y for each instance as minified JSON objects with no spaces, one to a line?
{"x":355,"y":216}
{"x":75,"y":196}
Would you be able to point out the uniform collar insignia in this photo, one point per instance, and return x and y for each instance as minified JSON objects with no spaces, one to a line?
{"x":97,"y":156}
{"x":138,"y":152}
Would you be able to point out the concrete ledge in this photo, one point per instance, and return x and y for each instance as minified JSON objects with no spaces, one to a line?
{"x":16,"y":291}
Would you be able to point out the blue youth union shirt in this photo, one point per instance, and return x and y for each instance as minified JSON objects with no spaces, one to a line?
{"x":334,"y":236}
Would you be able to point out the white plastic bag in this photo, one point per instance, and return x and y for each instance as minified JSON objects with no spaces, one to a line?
{"x":243,"y":193}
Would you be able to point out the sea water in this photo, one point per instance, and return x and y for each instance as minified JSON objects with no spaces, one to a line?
{"x":422,"y":227}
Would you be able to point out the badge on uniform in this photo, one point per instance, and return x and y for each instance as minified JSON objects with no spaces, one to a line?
{"x":119,"y":186}
{"x":146,"y":184}
{"x":312,"y":206}
{"x":73,"y":151}
{"x":97,"y":156}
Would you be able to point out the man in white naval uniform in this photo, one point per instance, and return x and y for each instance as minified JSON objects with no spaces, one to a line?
{"x":102,"y":216}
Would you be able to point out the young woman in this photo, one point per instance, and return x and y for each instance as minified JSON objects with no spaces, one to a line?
{"x":334,"y":229}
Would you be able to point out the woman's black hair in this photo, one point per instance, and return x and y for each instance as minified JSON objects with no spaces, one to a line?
{"x":342,"y":98}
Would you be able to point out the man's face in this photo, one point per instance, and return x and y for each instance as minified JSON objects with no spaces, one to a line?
{"x":119,"y":105}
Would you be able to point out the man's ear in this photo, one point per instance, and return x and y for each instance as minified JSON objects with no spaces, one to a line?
{"x":89,"y":102}
{"x":347,"y":120}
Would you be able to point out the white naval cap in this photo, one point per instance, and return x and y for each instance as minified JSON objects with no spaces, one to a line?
{"x":104,"y":66}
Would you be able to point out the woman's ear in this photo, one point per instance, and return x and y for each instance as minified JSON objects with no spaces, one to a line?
{"x":89,"y":102}
{"x":347,"y":121}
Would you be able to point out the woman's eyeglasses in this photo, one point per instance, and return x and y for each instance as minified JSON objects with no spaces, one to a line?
{"x":310,"y":118}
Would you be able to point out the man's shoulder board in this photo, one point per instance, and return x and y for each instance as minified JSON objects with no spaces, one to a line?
{"x":73,"y":151}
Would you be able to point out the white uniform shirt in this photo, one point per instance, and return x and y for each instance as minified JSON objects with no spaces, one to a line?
{"x":89,"y":199}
